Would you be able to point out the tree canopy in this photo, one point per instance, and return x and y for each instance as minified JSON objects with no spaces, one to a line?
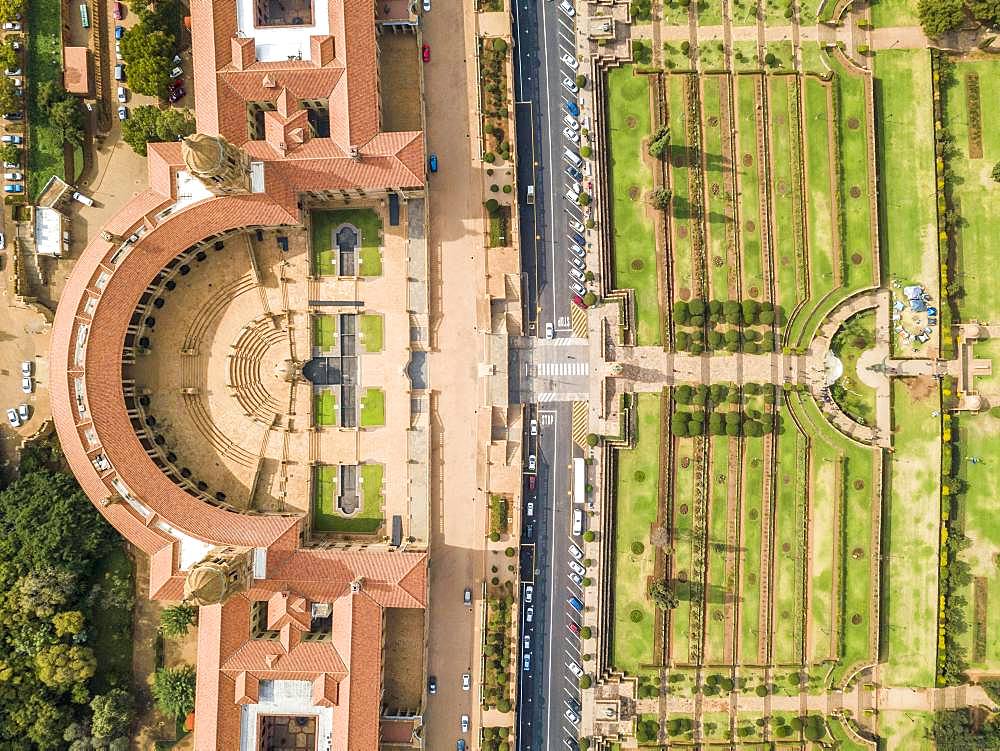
{"x":148,"y":124}
{"x":147,"y":54}
{"x":940,"y":16}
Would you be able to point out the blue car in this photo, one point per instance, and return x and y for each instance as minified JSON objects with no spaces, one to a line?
{"x":578,"y":238}
{"x":432,"y":163}
{"x":119,"y":32}
{"x":13,"y":188}
{"x":572,"y":109}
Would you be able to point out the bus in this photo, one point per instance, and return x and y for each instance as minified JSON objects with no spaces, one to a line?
{"x":84,"y":16}
{"x":579,"y":481}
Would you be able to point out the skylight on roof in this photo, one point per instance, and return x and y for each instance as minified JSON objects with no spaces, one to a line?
{"x":281,"y":29}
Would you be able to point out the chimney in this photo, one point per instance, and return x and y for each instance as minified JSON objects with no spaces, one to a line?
{"x":355,"y":154}
{"x":244,"y":52}
{"x":321,"y":50}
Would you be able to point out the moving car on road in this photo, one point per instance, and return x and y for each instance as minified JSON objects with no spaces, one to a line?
{"x":432,"y":685}
{"x":532,"y":462}
{"x":425,"y":53}
{"x":432,"y":163}
{"x":529,"y":593}
{"x":467,"y":597}
{"x":466,"y":681}
{"x":464,"y":722}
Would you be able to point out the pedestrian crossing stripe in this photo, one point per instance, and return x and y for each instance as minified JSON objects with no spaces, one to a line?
{"x":563,"y":341}
{"x":561,"y":368}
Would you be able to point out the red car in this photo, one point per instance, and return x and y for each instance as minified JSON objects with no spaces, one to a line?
{"x":425,"y":53}
{"x":118,"y":10}
{"x":579,"y":302}
{"x":574,"y":628}
{"x":532,"y":481}
{"x":176,"y":83}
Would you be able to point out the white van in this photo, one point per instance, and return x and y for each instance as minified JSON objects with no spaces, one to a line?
{"x":572,"y":157}
{"x":577,"y":522}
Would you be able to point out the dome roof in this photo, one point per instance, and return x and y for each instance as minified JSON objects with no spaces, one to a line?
{"x":202,"y":154}
{"x":205,"y":585}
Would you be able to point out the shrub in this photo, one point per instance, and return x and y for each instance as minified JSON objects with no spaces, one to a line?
{"x":589,"y":536}
{"x":586,"y":681}
{"x":492,"y":205}
{"x":494,"y":537}
{"x":637,"y":547}
{"x":176,"y":619}
{"x":770,"y":59}
{"x":660,"y":199}
{"x":494,"y":188}
{"x":590,"y":299}
{"x":581,"y":80}
{"x":635,"y":616}
{"x":510,"y":552}
{"x":586,"y":152}
{"x":489,"y":157}
{"x":507,"y":189}
{"x":592,"y":439}
{"x":173,"y":689}
{"x":586,"y":632}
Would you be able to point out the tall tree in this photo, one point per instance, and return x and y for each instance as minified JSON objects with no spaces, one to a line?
{"x":147,"y":55}
{"x":173,"y":690}
{"x":940,"y":16}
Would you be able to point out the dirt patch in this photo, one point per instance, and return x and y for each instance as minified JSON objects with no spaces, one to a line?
{"x":855,"y":191}
{"x":682,"y":576}
{"x":856,"y":259}
{"x":754,"y":514}
{"x":856,"y":619}
{"x":782,"y":187}
{"x":685,"y":462}
{"x":857,"y":553}
{"x":754,"y":292}
{"x":751,"y":578}
{"x":749,"y":225}
{"x":404,"y":676}
{"x":633,"y":192}
{"x":399,"y":73}
{"x":979,"y":625}
{"x":683,"y":509}
{"x":779,"y":119}
{"x":785,"y":547}
{"x":853,"y":123}
{"x":748,"y":160}
{"x":678,"y":161}
{"x":785,"y":260}
{"x":684,"y":294}
{"x":713,"y":121}
{"x":636,"y":264}
{"x":682,"y":232}
{"x":859,"y":484}
{"x":717,"y":261}
{"x":920,"y":387}
{"x":631,"y":122}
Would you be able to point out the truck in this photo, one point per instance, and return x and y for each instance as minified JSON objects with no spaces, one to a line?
{"x":579,"y":480}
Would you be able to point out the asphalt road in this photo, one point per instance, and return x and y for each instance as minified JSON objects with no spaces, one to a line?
{"x":548,"y":687}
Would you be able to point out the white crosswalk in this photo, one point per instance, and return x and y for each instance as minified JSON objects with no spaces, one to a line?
{"x":562,"y":341}
{"x":548,"y":396}
{"x":561,"y":368}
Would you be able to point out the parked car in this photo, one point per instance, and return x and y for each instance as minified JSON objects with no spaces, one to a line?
{"x":118,"y":10}
{"x":176,"y":83}
{"x":427,"y":6}
{"x":577,"y":262}
{"x":529,"y":594}
{"x":176,"y":94}
{"x":575,"y":669}
{"x":527,"y":642}
{"x":533,"y":427}
{"x":13,"y":419}
{"x":464,"y":722}
{"x":572,"y":108}
{"x":467,"y":597}
{"x":177,"y":72}
{"x":531,"y":508}
{"x":425,"y":53}
{"x":466,"y":681}
{"x":432,"y":163}
{"x":573,"y":172}
{"x":577,"y":250}
{"x":572,"y":716}
{"x":566,"y":7}
{"x":24,"y":412}
{"x":119,"y":32}
{"x":571,"y":135}
{"x":577,"y":568}
{"x":529,"y":613}
{"x":12,"y":165}
{"x":579,"y":302}
{"x":460,"y":746}
{"x":122,"y":94}
{"x":3,"y":241}
{"x":432,"y":685}
{"x":13,"y":116}
{"x":27,"y":383}
{"x":578,"y":288}
{"x":575,"y":578}
{"x":527,"y":662}
{"x":120,"y":72}
{"x":12,"y":72}
{"x":15,"y":177}
{"x":575,"y":552}
{"x":571,"y":122}
{"x":13,"y":188}
{"x":123,"y":113}
{"x":577,"y":274}
{"x":12,"y":26}
{"x":569,"y":61}
{"x":118,"y":50}
{"x":569,"y":84}
{"x":532,"y":463}
{"x":574,"y":627}
{"x":532,"y":482}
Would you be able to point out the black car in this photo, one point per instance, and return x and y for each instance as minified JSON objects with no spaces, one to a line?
{"x":574,"y":173}
{"x":14,"y":116}
{"x":432,"y":685}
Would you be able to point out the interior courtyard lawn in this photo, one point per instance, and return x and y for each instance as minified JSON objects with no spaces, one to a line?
{"x":629,"y":124}
{"x":325,"y":407}
{"x":979,"y":437}
{"x":372,"y":408}
{"x":637,"y":486}
{"x":372,"y":331}
{"x":324,"y":513}
{"x":976,"y":194}
{"x":852,"y":395}
{"x":906,"y":731}
{"x":324,"y":223}
{"x":43,"y":63}
{"x":912,"y":533}
{"x":369,"y":517}
{"x":324,"y":332}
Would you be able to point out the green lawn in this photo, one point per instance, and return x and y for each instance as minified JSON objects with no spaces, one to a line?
{"x":43,"y":63}
{"x":629,"y":124}
{"x":714,"y":88}
{"x":906,"y":164}
{"x":895,"y":13}
{"x":785,"y":225}
{"x":851,"y":393}
{"x":372,"y":330}
{"x":638,"y":477}
{"x":324,"y":332}
{"x":683,"y":553}
{"x":976,"y":194}
{"x":825,"y":497}
{"x":681,"y":250}
{"x":327,"y":518}
{"x":980,"y":438}
{"x":787,"y":548}
{"x":906,"y":731}
{"x":748,"y":176}
{"x":325,"y":407}
{"x":324,"y":225}
{"x":749,"y":595}
{"x":372,"y":408}
{"x":718,"y":590}
{"x":913,"y":530}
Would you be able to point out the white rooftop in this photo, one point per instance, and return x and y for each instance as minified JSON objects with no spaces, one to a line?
{"x":48,"y":231}
{"x":274,"y":43}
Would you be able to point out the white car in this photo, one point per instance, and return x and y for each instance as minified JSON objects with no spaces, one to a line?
{"x":12,"y":72}
{"x":575,"y":578}
{"x":26,"y":367}
{"x":572,"y":716}
{"x":527,"y":662}
{"x":532,"y":462}
{"x":464,"y":722}
{"x":578,"y":288}
{"x":569,"y":85}
{"x":534,"y":427}
{"x":118,"y":50}
{"x":466,"y":681}
{"x":427,"y":6}
{"x":122,"y":96}
{"x":571,"y":195}
{"x":527,"y":642}
{"x":569,"y":61}
{"x":577,"y":274}
{"x":24,"y":412}
{"x":529,"y":614}
{"x":3,"y":241}
{"x":577,"y":250}
{"x":529,"y":593}
{"x":566,"y":7}
{"x":575,"y":552}
{"x":577,"y":262}
{"x":571,"y":122}
{"x":549,"y":331}
{"x":531,"y":508}
{"x":123,"y":113}
{"x":177,"y":72}
{"x":27,"y":384}
{"x":15,"y":177}
{"x":571,"y":135}
{"x":12,"y":26}
{"x":577,"y":227}
{"x":575,"y":669}
{"x":577,"y":568}
{"x":13,"y":419}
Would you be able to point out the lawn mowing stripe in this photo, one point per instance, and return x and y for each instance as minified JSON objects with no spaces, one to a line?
{"x":683,"y":505}
{"x":634,"y":514}
{"x":823,"y":501}
{"x":717,"y":187}
{"x":858,"y":237}
{"x":629,"y":123}
{"x":750,"y":230}
{"x":782,"y":203}
{"x":718,"y":589}
{"x":819,"y":202}
{"x":753,"y":488}
{"x":788,"y":523}
{"x":681,"y":248}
